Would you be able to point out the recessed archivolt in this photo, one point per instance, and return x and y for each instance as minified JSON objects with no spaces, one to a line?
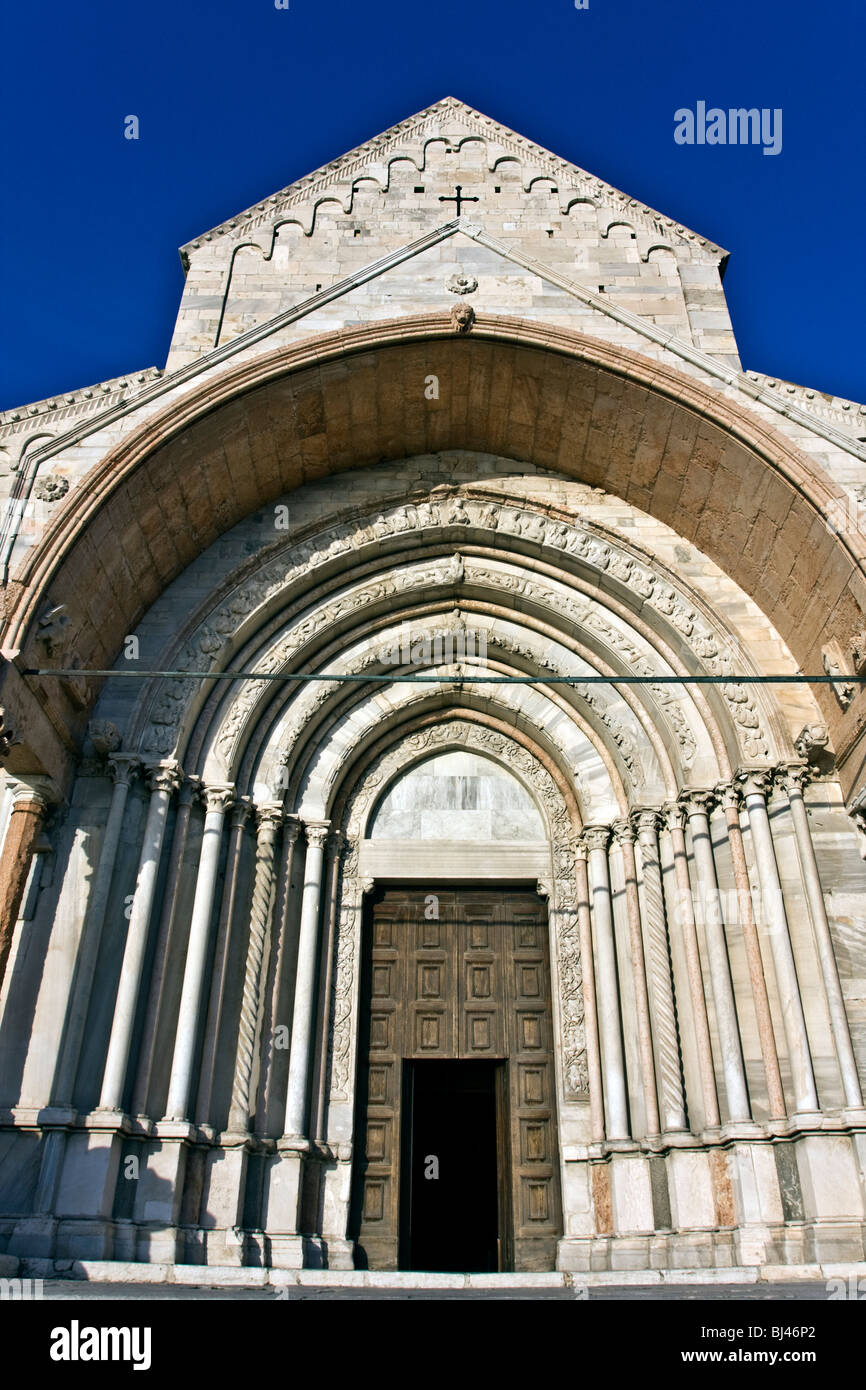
{"x":576,"y":750}
{"x":362,"y":785}
{"x":640,"y":612}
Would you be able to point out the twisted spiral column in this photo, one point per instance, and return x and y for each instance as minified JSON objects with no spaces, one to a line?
{"x":664,"y":1015}
{"x":270,"y":818}
{"x":685,"y":917}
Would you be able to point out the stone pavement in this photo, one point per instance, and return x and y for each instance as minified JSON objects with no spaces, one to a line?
{"x":79,"y":1290}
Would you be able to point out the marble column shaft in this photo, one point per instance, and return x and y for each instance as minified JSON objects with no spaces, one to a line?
{"x":163,"y":780}
{"x":793,"y":780}
{"x":217,"y":799}
{"x":123,"y":768}
{"x":730,"y":798}
{"x":25,"y":822}
{"x":302,"y":1014}
{"x":219,"y":975}
{"x":686,"y":921}
{"x":590,"y":1001}
{"x":698,"y":806}
{"x":755,"y":787}
{"x":189,"y":789}
{"x":625,"y":838}
{"x":596,"y":839}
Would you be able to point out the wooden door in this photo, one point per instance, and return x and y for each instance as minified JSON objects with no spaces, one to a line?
{"x":458,"y":976}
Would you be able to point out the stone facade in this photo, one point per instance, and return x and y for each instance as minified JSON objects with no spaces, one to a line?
{"x":500,"y":478}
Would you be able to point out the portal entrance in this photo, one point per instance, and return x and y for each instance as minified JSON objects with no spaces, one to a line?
{"x":454,"y":1125}
{"x":456,"y":1065}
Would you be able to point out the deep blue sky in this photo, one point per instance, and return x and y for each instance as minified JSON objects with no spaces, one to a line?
{"x":236,"y":99}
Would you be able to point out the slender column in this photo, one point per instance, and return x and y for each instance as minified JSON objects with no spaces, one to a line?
{"x":123,"y":768}
{"x":190,"y":788}
{"x":25,"y":822}
{"x":698,"y":806}
{"x":302,"y":1016}
{"x":239,"y":813}
{"x":676,"y":817}
{"x":335,"y":844}
{"x":625,"y":839}
{"x":596,"y":839}
{"x":793,"y":779}
{"x":590,"y":1004}
{"x":277,"y":972}
{"x":755,"y":786}
{"x":217,"y":800}
{"x":163,"y":780}
{"x":258,"y":951}
{"x":664,"y":1017}
{"x":730,"y":798}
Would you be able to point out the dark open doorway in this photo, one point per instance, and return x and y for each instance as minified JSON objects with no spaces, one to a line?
{"x":454,"y":1216}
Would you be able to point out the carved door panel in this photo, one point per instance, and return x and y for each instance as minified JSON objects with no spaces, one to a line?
{"x":461,"y":976}
{"x":536,"y":1201}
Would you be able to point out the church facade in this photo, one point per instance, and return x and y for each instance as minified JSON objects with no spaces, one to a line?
{"x":415,"y":853}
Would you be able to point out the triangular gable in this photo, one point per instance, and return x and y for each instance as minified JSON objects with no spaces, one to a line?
{"x":447,"y":119}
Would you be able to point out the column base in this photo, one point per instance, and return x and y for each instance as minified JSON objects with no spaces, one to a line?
{"x":84,"y":1239}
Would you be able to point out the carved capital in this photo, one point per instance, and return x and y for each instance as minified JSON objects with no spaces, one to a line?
{"x":190,"y":790}
{"x":795,"y":777}
{"x":269,"y":817}
{"x":218,"y":797}
{"x":623,"y":832}
{"x":317,"y":833}
{"x":241,"y":810}
{"x":291,"y":828}
{"x":647,"y":821}
{"x":675,"y":815}
{"x":124,"y":768}
{"x":728,"y":796}
{"x":699,"y":803}
{"x":755,"y":782}
{"x":596,"y":837}
{"x":164,"y":777}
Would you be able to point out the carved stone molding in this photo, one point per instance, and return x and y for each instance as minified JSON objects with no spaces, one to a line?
{"x":207,"y":647}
